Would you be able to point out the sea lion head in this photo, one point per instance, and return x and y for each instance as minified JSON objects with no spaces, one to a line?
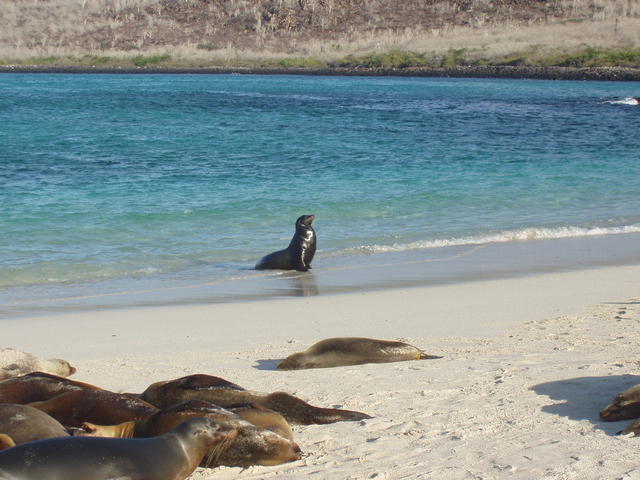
{"x":625,"y":405}
{"x":304,"y":222}
{"x":292,"y":362}
{"x":62,"y":367}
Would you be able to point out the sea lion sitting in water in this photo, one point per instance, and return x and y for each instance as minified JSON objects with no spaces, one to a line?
{"x":224,"y":393}
{"x":336,"y":352}
{"x":38,"y":386}
{"x":24,"y":423}
{"x":299,"y":253}
{"x":172,"y":456}
{"x":252,"y":445}
{"x":14,"y":363}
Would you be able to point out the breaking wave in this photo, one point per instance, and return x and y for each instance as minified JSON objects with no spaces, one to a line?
{"x":504,"y":236}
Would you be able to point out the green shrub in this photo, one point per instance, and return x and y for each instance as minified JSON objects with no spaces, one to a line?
{"x":393,"y":60}
{"x":453,"y":57}
{"x":141,"y":61}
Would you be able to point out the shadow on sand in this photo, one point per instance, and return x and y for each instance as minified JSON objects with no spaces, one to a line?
{"x":270,"y":364}
{"x":584,"y":397}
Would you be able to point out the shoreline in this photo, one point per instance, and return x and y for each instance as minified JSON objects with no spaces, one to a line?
{"x":626,"y":74}
{"x":333,"y":276}
{"x":482,"y":308}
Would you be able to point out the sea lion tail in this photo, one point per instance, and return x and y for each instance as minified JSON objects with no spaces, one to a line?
{"x":425,"y":356}
{"x":296,"y":410}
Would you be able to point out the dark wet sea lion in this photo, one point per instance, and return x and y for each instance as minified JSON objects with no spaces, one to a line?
{"x":14,"y":363}
{"x":252,"y":445}
{"x":224,"y":393}
{"x":25,"y":424}
{"x":337,"y":352}
{"x":299,"y":253}
{"x":625,"y":405}
{"x":95,"y":406}
{"x":38,"y":386}
{"x":172,"y":456}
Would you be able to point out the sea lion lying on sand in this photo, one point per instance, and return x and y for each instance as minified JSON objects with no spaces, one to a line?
{"x":252,"y":445}
{"x":14,"y":363}
{"x":224,"y":393}
{"x":263,"y":417}
{"x":625,"y":405}
{"x":96,"y":406}
{"x":38,"y":386}
{"x":172,"y":456}
{"x":337,"y":352}
{"x":25,"y":424}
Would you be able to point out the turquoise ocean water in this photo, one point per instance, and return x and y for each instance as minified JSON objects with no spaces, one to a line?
{"x":117,"y":184}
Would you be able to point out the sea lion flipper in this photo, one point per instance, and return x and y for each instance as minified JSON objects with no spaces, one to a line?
{"x":6,"y":441}
{"x":296,"y":410}
{"x":426,"y":356}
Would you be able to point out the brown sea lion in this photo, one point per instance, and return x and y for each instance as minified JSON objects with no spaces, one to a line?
{"x":263,"y":418}
{"x":633,"y":427}
{"x":337,"y":352}
{"x":38,"y":386}
{"x":625,"y":405}
{"x":222,"y":392}
{"x":25,"y":424}
{"x":172,"y":456}
{"x":96,"y":406}
{"x":6,"y":441}
{"x":14,"y":363}
{"x":252,"y":445}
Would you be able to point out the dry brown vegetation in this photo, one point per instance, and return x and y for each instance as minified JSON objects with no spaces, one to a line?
{"x":206,"y":31}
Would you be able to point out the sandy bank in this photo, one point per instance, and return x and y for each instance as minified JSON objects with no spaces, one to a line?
{"x":528,"y":362}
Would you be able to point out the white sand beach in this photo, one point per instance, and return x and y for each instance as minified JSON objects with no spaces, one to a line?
{"x":528,"y":363}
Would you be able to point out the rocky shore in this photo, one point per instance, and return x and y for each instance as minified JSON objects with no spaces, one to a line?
{"x":489,"y":71}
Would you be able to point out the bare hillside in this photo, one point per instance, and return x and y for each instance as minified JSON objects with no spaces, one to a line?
{"x":328,"y":29}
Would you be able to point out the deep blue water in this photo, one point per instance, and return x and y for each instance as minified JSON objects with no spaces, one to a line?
{"x":115,"y":177}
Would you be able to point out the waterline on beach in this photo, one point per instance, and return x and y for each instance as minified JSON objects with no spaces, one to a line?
{"x":330,"y":276}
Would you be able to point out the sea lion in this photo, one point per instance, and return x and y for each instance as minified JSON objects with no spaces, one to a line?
{"x":299,"y":253}
{"x":625,"y":405}
{"x":25,"y":424}
{"x":172,"y":456}
{"x":263,"y":417}
{"x":14,"y":363}
{"x":224,"y":393}
{"x":96,"y":406}
{"x":38,"y":386}
{"x":337,"y":352}
{"x":6,"y":441}
{"x":633,"y":427}
{"x":252,"y":445}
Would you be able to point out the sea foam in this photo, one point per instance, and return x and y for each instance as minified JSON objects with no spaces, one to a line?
{"x":501,"y":237}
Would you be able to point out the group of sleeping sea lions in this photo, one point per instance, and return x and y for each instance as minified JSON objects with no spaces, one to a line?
{"x":77,"y":431}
